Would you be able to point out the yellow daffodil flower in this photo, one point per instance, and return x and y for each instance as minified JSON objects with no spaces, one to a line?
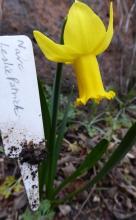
{"x":85,"y":37}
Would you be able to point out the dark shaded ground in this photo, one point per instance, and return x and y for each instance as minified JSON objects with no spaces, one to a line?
{"x":23,"y":16}
{"x":115,"y":196}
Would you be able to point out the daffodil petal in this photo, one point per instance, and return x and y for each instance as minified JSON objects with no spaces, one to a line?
{"x":53,"y":51}
{"x":89,"y":80}
{"x":84,"y":30}
{"x":109,"y":34}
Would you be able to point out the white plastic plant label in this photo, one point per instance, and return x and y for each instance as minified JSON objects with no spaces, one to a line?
{"x":20,"y":112}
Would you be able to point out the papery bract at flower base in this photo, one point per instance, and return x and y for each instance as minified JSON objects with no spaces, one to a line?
{"x":85,"y":37}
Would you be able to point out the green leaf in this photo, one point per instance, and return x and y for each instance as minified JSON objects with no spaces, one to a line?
{"x":50,"y":215}
{"x":45,"y":111}
{"x":44,"y":207}
{"x":88,"y":163}
{"x":120,"y":152}
{"x":123,"y":148}
{"x":47,"y":129}
{"x":27,"y":215}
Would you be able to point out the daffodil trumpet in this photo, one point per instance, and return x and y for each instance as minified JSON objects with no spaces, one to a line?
{"x":85,"y":37}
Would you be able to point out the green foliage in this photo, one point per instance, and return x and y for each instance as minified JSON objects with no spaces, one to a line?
{"x":9,"y":185}
{"x":44,"y":212}
{"x":113,"y":117}
{"x":120,"y":152}
{"x":87,"y":164}
{"x":112,"y":123}
{"x":63,"y":100}
{"x":91,"y":125}
{"x":116,"y":116}
{"x":123,"y":148}
{"x":56,"y":125}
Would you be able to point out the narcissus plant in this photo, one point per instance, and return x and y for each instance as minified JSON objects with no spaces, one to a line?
{"x":85,"y":37}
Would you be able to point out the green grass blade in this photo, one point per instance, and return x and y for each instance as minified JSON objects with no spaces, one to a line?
{"x":45,"y":111}
{"x":88,"y":163}
{"x":47,"y":128}
{"x":123,"y":148}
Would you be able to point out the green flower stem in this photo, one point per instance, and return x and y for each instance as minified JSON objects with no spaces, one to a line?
{"x":53,"y":152}
{"x":52,"y":147}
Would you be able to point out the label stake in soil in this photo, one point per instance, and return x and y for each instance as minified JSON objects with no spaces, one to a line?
{"x":20,"y":112}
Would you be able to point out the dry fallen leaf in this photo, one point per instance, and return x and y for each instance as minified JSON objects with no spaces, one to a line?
{"x":74,"y":147}
{"x":68,"y":170}
{"x":64,"y":209}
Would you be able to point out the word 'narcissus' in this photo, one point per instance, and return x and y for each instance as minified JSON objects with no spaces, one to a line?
{"x":85,"y":37}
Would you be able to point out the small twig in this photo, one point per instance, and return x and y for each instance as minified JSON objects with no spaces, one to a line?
{"x":120,"y":12}
{"x":133,"y":58}
{"x":84,"y":203}
{"x":129,"y":16}
{"x":16,"y":216}
{"x":129,"y":189}
{"x":2,"y":170}
{"x":15,"y":169}
{"x":125,"y":6}
{"x":116,"y":214}
{"x":121,"y":73}
{"x":69,"y":158}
